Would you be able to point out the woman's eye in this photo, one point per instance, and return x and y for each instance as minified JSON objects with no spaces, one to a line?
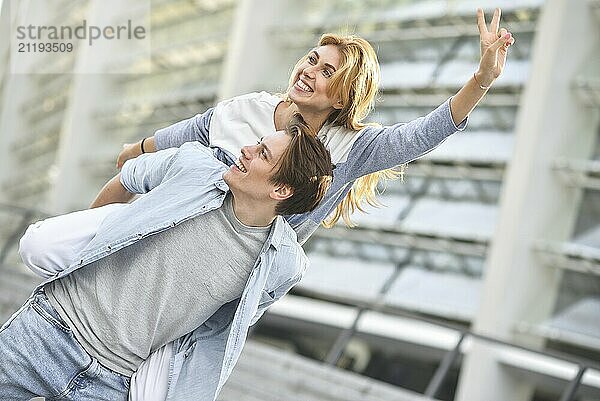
{"x":327,"y":73}
{"x":312,"y":60}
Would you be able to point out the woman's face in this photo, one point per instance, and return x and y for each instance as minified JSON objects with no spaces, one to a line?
{"x":309,"y":90}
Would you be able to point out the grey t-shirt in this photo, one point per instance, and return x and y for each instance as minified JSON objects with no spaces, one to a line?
{"x":123,"y":307}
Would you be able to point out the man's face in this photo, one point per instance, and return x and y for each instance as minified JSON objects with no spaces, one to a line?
{"x":250,"y":174}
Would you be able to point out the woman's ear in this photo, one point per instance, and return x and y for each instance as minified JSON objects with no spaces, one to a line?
{"x":338,"y":105}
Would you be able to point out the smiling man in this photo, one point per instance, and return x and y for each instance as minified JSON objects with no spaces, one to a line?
{"x":195,"y":262}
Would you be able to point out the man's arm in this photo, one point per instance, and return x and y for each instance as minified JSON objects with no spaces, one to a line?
{"x":112,"y":192}
{"x":52,"y":245}
{"x":138,"y":176}
{"x":189,"y":130}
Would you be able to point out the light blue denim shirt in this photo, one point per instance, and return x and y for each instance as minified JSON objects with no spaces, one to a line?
{"x":185,"y":183}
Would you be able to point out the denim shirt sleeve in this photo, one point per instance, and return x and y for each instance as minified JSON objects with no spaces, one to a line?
{"x":192,"y":129}
{"x":380,"y":148}
{"x":147,"y":171}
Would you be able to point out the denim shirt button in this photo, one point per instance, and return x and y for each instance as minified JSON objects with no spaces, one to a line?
{"x":173,"y":224}
{"x":109,"y":247}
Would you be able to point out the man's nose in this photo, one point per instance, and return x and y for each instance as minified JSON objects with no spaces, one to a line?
{"x":249,"y":151}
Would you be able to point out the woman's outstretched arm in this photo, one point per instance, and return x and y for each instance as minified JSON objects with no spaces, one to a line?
{"x":494,"y":45}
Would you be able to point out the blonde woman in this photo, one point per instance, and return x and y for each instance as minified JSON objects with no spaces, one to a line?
{"x":334,"y":88}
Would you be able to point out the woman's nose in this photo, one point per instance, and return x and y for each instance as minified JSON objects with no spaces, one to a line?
{"x":309,"y":72}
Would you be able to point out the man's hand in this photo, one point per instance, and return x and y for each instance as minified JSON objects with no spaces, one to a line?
{"x":494,"y":45}
{"x":112,"y":192}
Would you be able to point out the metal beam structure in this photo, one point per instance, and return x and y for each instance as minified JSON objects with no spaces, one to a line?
{"x":552,"y":124}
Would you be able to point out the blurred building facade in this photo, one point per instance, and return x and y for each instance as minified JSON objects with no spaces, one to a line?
{"x":479,"y":278}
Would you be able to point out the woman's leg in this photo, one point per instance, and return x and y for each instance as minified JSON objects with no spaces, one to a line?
{"x":39,"y":356}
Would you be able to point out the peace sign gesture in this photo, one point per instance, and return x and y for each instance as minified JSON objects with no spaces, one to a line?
{"x":494,"y":46}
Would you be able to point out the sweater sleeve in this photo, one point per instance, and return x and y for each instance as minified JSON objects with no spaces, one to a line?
{"x":192,"y":129}
{"x":380,"y":148}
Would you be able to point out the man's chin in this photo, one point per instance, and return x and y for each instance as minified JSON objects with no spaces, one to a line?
{"x":227,"y":176}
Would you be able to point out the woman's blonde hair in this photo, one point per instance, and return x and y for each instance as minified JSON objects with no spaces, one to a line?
{"x":356,"y":82}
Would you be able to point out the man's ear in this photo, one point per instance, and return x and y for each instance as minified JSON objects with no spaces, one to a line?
{"x":281,"y":192}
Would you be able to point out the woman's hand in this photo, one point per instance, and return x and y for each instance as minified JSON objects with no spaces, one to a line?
{"x":494,"y":46}
{"x":130,"y":151}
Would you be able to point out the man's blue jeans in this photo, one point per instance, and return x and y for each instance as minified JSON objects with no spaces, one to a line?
{"x":40,"y":357}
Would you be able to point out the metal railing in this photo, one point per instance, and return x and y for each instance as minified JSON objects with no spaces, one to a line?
{"x":441,"y":374}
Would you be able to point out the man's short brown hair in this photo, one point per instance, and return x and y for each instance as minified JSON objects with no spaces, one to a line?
{"x":305,"y":166}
